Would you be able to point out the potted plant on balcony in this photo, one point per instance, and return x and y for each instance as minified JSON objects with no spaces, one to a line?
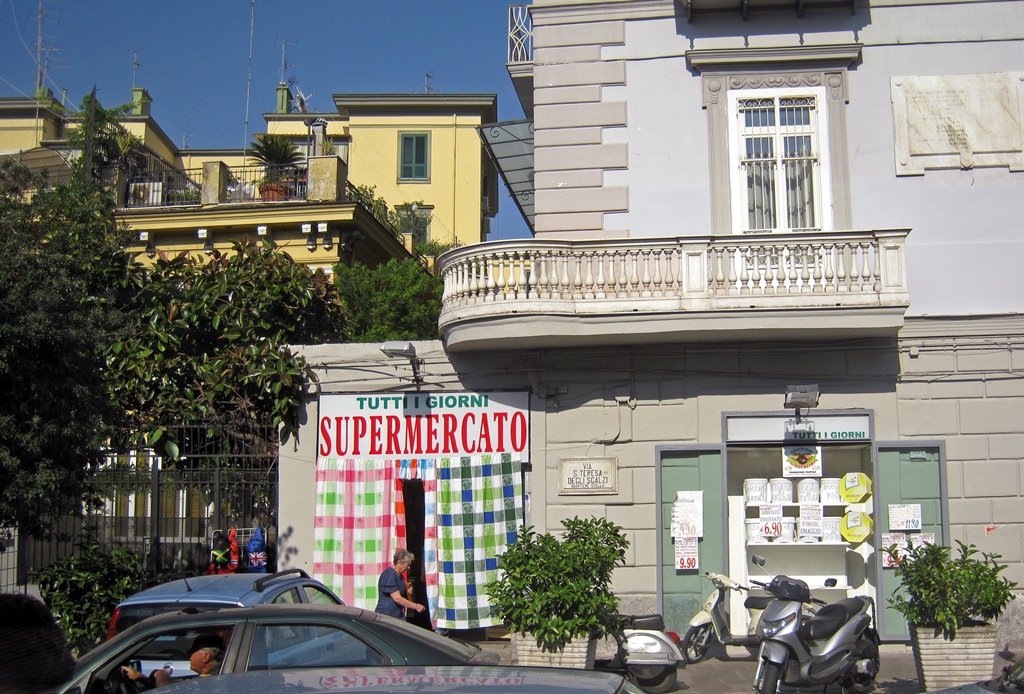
{"x":950,"y":605}
{"x":554,"y":595}
{"x":278,"y":155}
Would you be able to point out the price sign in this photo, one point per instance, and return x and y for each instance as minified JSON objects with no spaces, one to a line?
{"x":888,"y":540}
{"x":771,"y":520}
{"x":686,"y":554}
{"x":904,"y":516}
{"x":811,"y":524}
{"x":688,"y":514}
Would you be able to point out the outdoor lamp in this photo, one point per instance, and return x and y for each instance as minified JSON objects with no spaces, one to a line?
{"x":405,"y":350}
{"x":801,"y":396}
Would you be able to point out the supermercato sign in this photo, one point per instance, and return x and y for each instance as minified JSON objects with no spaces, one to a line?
{"x":418,"y":425}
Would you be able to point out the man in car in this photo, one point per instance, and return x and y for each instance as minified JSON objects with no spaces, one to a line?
{"x":204,"y":658}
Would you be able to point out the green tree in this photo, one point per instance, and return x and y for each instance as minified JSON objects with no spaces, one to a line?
{"x":398,"y":300}
{"x":209,"y":341}
{"x":61,"y":261}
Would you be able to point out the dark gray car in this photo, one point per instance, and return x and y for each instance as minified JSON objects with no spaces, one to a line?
{"x":267,"y":637}
{"x":405,"y":680}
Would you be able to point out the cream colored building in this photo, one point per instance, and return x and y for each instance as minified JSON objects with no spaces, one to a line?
{"x":732,"y":198}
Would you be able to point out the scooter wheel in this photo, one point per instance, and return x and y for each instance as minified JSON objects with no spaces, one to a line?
{"x":654,"y":680}
{"x":769,"y":683}
{"x":697,"y":642}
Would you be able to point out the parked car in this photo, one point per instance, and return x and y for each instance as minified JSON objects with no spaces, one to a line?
{"x":1012,"y":680}
{"x":223,"y":590}
{"x":462,"y":679}
{"x":267,"y":637}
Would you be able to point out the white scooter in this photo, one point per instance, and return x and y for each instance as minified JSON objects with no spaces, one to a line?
{"x":646,"y":653}
{"x":711,"y":624}
{"x":837,"y":644}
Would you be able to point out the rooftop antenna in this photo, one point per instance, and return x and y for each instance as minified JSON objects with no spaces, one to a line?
{"x":184,"y":139}
{"x":301,"y":100}
{"x":427,"y":89}
{"x":136,"y":64}
{"x":285,"y":65}
{"x":248,"y":78}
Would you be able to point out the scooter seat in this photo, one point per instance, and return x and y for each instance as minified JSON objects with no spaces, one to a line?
{"x":829,"y":618}
{"x":652,"y":622}
{"x":757,"y":602}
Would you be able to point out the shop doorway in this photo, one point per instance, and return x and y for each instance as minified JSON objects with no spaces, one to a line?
{"x":415,"y":524}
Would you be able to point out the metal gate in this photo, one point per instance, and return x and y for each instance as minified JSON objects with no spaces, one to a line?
{"x":167,"y":510}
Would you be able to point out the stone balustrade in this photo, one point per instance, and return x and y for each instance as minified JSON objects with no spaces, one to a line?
{"x":646,"y":277}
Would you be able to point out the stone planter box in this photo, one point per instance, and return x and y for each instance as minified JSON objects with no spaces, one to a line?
{"x":576,"y":654}
{"x":942,"y":663}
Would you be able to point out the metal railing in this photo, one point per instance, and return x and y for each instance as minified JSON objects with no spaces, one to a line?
{"x":164,"y":510}
{"x":165,"y":188}
{"x":520,"y":35}
{"x":267,"y":183}
{"x":375,"y":206}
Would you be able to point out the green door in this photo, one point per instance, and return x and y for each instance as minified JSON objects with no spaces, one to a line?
{"x":683,"y":592}
{"x":905,"y":476}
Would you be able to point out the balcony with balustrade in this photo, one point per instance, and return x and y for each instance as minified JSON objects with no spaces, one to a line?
{"x":544,"y":293}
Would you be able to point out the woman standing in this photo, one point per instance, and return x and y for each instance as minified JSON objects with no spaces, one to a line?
{"x":391,"y":588}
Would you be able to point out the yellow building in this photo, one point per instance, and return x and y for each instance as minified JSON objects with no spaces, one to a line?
{"x":378,"y":176}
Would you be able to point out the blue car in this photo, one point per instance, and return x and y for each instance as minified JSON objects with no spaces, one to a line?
{"x":202,"y":593}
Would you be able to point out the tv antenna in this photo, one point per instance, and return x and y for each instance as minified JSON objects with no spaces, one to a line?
{"x":136,"y":64}
{"x":427,"y":89}
{"x":285,"y":65}
{"x":301,"y":101}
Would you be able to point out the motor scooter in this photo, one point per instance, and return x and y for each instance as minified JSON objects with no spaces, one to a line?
{"x":711,"y":624}
{"x":646,"y":653}
{"x":838,"y":644}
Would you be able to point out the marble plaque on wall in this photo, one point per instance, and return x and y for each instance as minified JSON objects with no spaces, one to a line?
{"x":958,"y":121}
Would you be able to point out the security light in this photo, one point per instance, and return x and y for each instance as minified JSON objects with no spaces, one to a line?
{"x":399,"y":349}
{"x":802,"y":396}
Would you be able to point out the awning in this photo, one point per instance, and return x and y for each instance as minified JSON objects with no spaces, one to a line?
{"x":510,"y":146}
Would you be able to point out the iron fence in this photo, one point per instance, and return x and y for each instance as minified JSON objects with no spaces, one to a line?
{"x":166,"y":187}
{"x":166,"y":510}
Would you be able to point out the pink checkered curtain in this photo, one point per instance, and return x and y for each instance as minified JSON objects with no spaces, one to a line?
{"x":355,"y":526}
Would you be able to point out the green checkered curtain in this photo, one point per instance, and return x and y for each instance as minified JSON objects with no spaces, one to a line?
{"x":480,"y":507}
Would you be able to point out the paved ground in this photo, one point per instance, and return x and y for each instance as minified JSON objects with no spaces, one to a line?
{"x":733,"y":673}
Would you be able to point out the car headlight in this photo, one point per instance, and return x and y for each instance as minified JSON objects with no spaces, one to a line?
{"x":770,"y":627}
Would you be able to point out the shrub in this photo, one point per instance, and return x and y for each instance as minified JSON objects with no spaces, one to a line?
{"x":83,"y":591}
{"x":946,"y":594}
{"x":559,"y":590}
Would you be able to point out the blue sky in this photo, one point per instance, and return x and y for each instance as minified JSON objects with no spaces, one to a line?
{"x":193,"y":57}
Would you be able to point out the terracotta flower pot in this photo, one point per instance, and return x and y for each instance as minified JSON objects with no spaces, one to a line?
{"x":271,"y":192}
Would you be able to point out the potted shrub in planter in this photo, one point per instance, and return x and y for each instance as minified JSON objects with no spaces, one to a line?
{"x":278,"y":155}
{"x":951,"y":605}
{"x":554,"y":594}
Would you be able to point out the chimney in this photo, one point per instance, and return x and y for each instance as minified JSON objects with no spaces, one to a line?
{"x":319,"y":128}
{"x":140,"y":101}
{"x":284,"y":98}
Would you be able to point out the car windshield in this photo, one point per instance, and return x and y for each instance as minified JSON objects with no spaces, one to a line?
{"x":129,"y":615}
